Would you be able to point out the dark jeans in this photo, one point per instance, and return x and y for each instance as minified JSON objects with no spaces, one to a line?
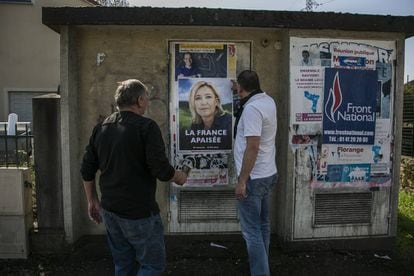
{"x":139,"y":240}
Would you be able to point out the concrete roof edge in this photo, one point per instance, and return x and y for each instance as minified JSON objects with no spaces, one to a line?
{"x":53,"y":17}
{"x":93,"y":2}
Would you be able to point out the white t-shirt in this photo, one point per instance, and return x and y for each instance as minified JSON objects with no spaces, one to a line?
{"x":309,"y":63}
{"x":258,"y":119}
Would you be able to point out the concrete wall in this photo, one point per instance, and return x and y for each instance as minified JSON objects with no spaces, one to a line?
{"x":29,"y":50}
{"x":140,"y":52}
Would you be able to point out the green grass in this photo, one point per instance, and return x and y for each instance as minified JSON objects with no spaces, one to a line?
{"x":185,"y":119}
{"x":405,"y":233}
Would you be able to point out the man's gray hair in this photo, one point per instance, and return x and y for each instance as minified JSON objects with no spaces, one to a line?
{"x":128,"y":92}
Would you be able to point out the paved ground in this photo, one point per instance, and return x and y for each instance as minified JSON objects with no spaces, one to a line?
{"x":188,"y":256}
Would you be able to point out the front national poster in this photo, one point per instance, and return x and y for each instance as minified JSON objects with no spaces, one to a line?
{"x":349,"y":109}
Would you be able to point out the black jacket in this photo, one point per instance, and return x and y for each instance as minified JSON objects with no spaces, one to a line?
{"x":129,"y":151}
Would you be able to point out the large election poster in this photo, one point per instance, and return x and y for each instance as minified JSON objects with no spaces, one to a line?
{"x":202,"y":96}
{"x":349,"y":106}
{"x":341,"y":109}
{"x":205,"y":114}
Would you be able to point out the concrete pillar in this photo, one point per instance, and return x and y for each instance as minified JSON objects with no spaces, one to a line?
{"x":46,"y":131}
{"x":398,"y":121}
{"x":47,"y":159}
{"x":71,"y":178}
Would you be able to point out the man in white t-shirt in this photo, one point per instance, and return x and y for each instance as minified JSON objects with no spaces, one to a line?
{"x":254,"y":155}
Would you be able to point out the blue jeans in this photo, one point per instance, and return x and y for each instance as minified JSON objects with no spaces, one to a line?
{"x":139,"y":240}
{"x":255,"y":223}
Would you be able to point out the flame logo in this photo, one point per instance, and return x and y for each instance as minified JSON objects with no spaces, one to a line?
{"x":334,"y":100}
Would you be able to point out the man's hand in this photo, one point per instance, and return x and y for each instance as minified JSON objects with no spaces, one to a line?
{"x":94,"y":206}
{"x":93,"y":211}
{"x":249,"y":159}
{"x":179,"y":177}
{"x":241,"y":190}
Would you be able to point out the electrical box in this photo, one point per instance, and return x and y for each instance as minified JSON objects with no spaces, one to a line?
{"x":16,"y":215}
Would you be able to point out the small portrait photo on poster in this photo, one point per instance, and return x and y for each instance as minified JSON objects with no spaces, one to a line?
{"x":186,"y":67}
{"x":196,"y":60}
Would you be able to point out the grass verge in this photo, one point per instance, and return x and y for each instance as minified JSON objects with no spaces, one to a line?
{"x":405,"y":232}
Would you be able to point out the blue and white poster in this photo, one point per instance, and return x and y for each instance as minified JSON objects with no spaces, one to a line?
{"x":349,"y":106}
{"x":349,"y":173}
{"x":307,"y":84}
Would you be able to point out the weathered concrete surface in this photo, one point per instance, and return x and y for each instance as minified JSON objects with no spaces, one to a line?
{"x":46,"y":131}
{"x":70,"y":118}
{"x":50,"y":235}
{"x":142,"y":53}
{"x":227,"y":17}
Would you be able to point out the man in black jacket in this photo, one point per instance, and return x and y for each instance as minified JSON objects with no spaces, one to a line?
{"x":129,"y":152}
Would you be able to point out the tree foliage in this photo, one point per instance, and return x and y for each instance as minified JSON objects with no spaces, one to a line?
{"x":409,"y":88}
{"x":114,"y":3}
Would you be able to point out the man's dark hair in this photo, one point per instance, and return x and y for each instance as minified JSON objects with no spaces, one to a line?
{"x":128,"y":92}
{"x":188,"y":53}
{"x":248,"y":80}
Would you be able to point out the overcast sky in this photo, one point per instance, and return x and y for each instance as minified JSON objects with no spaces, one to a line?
{"x":384,"y":7}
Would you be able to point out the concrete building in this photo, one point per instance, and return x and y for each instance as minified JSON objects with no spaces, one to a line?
{"x":340,"y":188}
{"x":29,"y":54}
